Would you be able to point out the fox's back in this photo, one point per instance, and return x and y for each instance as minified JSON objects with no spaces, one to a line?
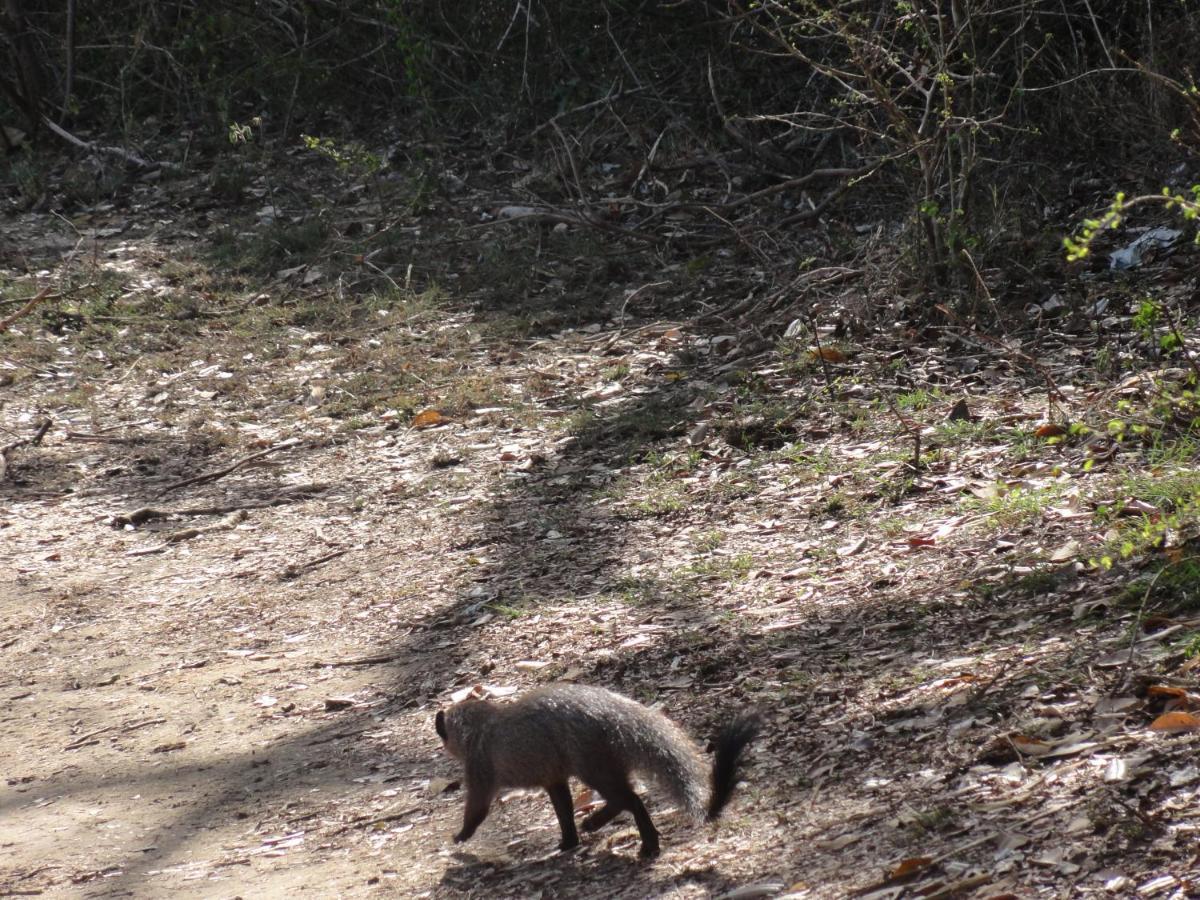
{"x":595,"y":735}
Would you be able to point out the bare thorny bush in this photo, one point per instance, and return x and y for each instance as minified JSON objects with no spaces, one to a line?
{"x":944,"y":121}
{"x":960,"y":103}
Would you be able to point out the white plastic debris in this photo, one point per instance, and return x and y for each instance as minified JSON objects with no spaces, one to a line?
{"x":1130,"y":256}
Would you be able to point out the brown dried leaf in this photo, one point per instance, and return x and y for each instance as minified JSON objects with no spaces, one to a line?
{"x":910,"y":866}
{"x":1031,"y":746}
{"x":829,"y":354}
{"x":586,"y":800}
{"x":1175,"y":723}
{"x":1050,"y":429}
{"x":427,"y":418}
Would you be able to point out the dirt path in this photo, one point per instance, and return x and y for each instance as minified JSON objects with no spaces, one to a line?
{"x":246,"y":710}
{"x":181,"y":715}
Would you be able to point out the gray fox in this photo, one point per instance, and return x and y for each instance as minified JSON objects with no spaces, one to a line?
{"x":597,"y":736}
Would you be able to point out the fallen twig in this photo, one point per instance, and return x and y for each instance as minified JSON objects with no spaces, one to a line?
{"x":118,"y":152}
{"x":229,"y":522}
{"x":635,"y":294}
{"x":101,"y":434}
{"x":43,"y":294}
{"x":913,"y":429}
{"x":8,"y":449}
{"x":221,"y":473}
{"x":7,"y":891}
{"x":358,"y":661}
{"x":370,"y":822}
{"x":125,"y":727}
{"x":186,"y":534}
{"x":106,"y":439}
{"x":339,"y":736}
{"x":295,"y":570}
{"x":88,"y":738}
{"x":147,"y":513}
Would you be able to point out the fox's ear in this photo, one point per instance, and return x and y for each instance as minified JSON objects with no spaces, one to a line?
{"x":439,"y":723}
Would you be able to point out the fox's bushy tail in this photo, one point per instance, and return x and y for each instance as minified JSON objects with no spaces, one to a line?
{"x":729,"y":746}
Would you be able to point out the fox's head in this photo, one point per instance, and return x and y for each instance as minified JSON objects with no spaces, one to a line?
{"x":459,"y":723}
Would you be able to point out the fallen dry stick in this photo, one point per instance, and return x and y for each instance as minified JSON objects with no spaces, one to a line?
{"x":186,"y":534}
{"x":221,"y":473}
{"x":43,"y":294}
{"x":37,"y":298}
{"x":118,"y":152}
{"x":229,"y":522}
{"x":146,"y":513}
{"x":294,"y":570}
{"x":8,"y":449}
{"x":358,"y":661}
{"x":125,"y":727}
{"x":371,"y":822}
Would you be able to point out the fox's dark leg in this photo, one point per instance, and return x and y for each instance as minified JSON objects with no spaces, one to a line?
{"x":564,"y":808}
{"x":479,"y":801}
{"x":618,"y":797}
{"x":645,"y":827}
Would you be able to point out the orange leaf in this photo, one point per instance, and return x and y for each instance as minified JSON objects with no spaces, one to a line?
{"x":1050,"y":429}
{"x":1174,"y":722}
{"x":427,"y":418}
{"x":909,"y":866}
{"x":586,"y":800}
{"x":1030,"y":746}
{"x":829,"y":354}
